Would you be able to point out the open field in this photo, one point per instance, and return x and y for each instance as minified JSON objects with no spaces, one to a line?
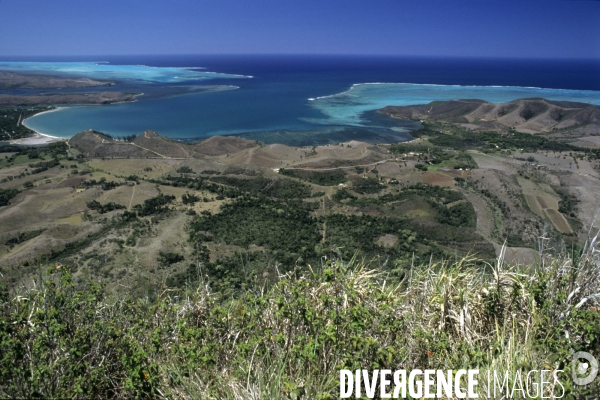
{"x":438,"y":178}
{"x":558,"y":220}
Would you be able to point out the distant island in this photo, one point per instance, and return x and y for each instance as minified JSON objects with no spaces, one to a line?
{"x":7,"y":100}
{"x":13,"y":80}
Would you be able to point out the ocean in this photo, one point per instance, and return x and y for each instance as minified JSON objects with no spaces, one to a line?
{"x":295,"y":100}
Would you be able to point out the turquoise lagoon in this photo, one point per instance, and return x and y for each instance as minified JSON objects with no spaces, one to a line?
{"x":295,"y":100}
{"x":349,"y":106}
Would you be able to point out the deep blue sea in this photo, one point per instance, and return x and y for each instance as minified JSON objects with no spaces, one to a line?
{"x":299,"y":100}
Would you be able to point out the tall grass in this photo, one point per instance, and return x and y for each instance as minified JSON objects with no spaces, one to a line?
{"x":290,"y":340}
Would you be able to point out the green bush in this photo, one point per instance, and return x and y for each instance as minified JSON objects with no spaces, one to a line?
{"x":104,"y":208}
{"x":291,"y":339}
{"x":6,"y":195}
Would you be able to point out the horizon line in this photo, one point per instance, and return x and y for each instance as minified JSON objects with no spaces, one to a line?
{"x":383,"y":55}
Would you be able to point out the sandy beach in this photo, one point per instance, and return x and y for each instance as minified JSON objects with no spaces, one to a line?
{"x":38,"y":138}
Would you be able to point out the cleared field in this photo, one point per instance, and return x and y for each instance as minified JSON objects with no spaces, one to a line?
{"x":518,"y":255}
{"x":391,"y":169}
{"x":534,"y":204}
{"x":437,"y":178}
{"x":418,"y":213}
{"x":73,"y":219}
{"x":544,"y":204}
{"x":558,"y":220}
{"x":488,"y":161}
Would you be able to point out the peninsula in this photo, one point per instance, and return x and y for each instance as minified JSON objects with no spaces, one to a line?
{"x":14,"y":80}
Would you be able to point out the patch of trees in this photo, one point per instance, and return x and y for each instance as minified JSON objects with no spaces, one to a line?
{"x":23,"y":237}
{"x":104,"y":208}
{"x":6,"y":195}
{"x":10,"y":122}
{"x":54,"y":150}
{"x":350,"y":232}
{"x":281,"y":226}
{"x":9,"y":148}
{"x":593,"y":154}
{"x":277,"y":188}
{"x":463,"y":160}
{"x":466,"y":139}
{"x":200,"y":183}
{"x":168,"y":258}
{"x":185,"y":170}
{"x":103,"y":183}
{"x":567,"y":203}
{"x":460,"y":215}
{"x":227,"y":274}
{"x":188,"y":198}
{"x":343,"y":194}
{"x":43,"y":166}
{"x":366,"y":186}
{"x":289,"y":233}
{"x":154,"y":205}
{"x":322,"y":178}
{"x":441,"y":194}
{"x":211,"y":172}
{"x":232,"y":187}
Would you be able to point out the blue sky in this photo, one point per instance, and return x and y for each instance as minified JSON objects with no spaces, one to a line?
{"x":466,"y":28}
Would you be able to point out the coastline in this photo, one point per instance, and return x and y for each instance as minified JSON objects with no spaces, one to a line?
{"x":38,"y":138}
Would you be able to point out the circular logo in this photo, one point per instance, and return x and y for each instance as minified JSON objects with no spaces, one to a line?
{"x":587,"y":369}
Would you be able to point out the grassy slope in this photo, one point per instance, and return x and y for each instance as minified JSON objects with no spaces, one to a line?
{"x":291,"y":340}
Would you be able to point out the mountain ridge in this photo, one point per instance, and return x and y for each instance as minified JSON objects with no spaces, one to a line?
{"x":533,"y":115}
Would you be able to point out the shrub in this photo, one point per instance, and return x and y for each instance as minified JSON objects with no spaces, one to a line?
{"x":185,"y":170}
{"x":168,"y":258}
{"x":293,"y":338}
{"x":6,"y":195}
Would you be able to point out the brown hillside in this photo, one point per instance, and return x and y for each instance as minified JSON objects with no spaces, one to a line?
{"x":526,"y":115}
{"x":151,"y":145}
{"x":220,"y":145}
